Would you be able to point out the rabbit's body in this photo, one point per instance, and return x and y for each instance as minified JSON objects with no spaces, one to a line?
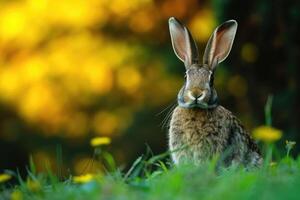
{"x":199,"y":127}
{"x":197,"y":135}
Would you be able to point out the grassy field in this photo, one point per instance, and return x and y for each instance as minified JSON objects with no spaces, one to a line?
{"x":153,"y":179}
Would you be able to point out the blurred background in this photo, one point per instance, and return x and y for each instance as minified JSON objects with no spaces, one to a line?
{"x":71,"y":70}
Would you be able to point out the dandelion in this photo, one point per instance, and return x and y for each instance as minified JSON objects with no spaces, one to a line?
{"x":289,"y":145}
{"x":99,"y":141}
{"x":267,"y":134}
{"x":16,"y":195}
{"x":4,"y":177}
{"x":83,"y":178}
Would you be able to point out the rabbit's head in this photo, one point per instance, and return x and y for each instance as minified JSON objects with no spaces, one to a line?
{"x":198,"y":90}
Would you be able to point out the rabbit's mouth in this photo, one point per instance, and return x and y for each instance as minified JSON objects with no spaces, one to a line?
{"x":206,"y":100}
{"x":196,"y":104}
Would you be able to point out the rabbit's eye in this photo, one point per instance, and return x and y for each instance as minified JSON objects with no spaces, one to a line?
{"x":211,"y":78}
{"x":211,"y":81}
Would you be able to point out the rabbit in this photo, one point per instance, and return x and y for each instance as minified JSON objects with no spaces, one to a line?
{"x":201,"y":129}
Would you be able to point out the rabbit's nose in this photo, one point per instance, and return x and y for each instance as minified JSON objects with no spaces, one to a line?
{"x":196,"y":95}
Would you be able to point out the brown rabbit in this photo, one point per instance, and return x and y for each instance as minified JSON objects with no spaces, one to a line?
{"x":199,"y":127}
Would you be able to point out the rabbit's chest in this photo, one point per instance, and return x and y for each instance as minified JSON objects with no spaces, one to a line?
{"x":207,"y":136}
{"x":200,"y":135}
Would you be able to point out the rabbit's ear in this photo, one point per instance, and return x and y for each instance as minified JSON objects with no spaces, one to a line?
{"x":183,"y":43}
{"x":220,"y":43}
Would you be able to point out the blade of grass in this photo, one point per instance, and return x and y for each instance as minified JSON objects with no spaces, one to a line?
{"x":59,"y":160}
{"x":268,"y":111}
{"x":133,"y":167}
{"x":32,"y":165}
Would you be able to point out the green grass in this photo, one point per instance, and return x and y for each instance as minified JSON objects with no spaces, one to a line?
{"x":152,"y":179}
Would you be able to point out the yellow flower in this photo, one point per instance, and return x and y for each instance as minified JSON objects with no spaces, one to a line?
{"x":83,"y":178}
{"x":16,"y":195}
{"x":33,"y":185}
{"x":290,"y":144}
{"x":4,"y":177}
{"x":98,"y":141}
{"x":267,"y":133}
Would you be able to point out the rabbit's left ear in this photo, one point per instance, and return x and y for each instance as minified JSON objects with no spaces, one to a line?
{"x":183,"y":43}
{"x":220,"y":43}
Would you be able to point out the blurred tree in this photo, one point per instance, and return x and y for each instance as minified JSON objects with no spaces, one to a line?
{"x":266,"y":53}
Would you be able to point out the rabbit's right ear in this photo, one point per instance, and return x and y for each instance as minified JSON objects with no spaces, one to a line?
{"x":220,"y":43}
{"x":183,"y":43}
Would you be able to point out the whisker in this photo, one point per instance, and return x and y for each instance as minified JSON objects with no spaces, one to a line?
{"x":166,"y":108}
{"x":168,"y":116}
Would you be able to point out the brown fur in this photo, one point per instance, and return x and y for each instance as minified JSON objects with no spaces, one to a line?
{"x":196,"y":135}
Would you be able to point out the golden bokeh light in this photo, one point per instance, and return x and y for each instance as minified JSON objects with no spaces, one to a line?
{"x":83,"y":164}
{"x":249,"y":52}
{"x":129,"y":79}
{"x":237,"y":86}
{"x":44,"y":161}
{"x":203,"y":24}
{"x":106,"y":123}
{"x":72,"y":70}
